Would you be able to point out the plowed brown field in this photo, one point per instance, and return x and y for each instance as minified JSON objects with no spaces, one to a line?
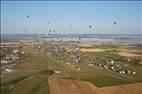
{"x":66,"y":86}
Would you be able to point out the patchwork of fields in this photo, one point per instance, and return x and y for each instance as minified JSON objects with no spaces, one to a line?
{"x":40,"y":74}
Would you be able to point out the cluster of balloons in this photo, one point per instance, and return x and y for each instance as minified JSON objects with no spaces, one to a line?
{"x":53,"y":31}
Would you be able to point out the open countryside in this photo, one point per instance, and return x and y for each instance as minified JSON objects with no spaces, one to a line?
{"x":71,"y":47}
{"x":37,"y":65}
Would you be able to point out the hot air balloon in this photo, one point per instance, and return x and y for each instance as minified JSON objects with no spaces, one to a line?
{"x":28,"y":16}
{"x":71,"y":26}
{"x":50,"y":30}
{"x":24,"y":29}
{"x":114,"y":23}
{"x":90,"y":26}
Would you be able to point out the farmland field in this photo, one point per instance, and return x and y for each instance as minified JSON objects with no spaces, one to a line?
{"x":66,"y":86}
{"x":33,"y":71}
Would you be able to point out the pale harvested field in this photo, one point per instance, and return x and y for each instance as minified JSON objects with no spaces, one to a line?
{"x":127,"y":54}
{"x":85,"y":45}
{"x":128,"y":50}
{"x":66,"y":86}
{"x":91,"y":50}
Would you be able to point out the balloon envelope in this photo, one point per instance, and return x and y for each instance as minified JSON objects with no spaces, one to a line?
{"x":50,"y":30}
{"x":90,"y":26}
{"x":28,"y":16}
{"x":114,"y":22}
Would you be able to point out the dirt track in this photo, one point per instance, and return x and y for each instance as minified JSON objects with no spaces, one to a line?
{"x":66,"y":86}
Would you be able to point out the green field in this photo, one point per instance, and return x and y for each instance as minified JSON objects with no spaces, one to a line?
{"x":32,"y":77}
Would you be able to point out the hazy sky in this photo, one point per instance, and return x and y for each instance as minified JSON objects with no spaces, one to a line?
{"x":60,"y":15}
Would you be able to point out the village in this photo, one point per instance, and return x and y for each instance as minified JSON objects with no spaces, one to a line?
{"x":109,"y":61}
{"x":11,"y":54}
{"x":27,"y":62}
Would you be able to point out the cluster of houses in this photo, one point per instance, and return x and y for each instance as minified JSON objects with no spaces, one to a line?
{"x":60,"y":53}
{"x":14,"y":56}
{"x":135,"y":60}
{"x":132,"y":59}
{"x":7,"y":62}
{"x":10,"y":68}
{"x":75,"y":55}
{"x":121,"y":69}
{"x":54,"y":51}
